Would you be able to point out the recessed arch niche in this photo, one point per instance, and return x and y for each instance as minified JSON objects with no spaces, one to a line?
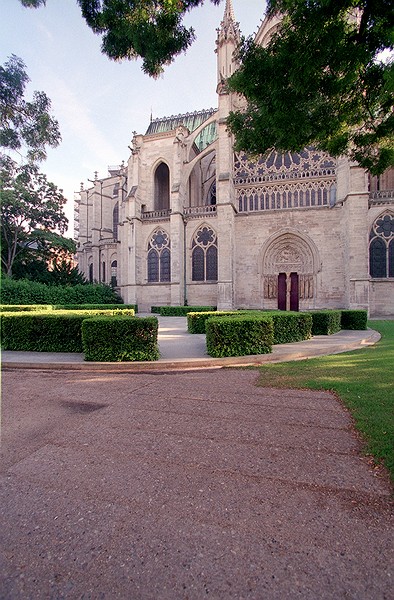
{"x":162,"y":187}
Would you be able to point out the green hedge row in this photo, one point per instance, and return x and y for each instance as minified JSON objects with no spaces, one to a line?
{"x":288,"y":326}
{"x":121,"y":339}
{"x":112,"y":336}
{"x":239,"y":336}
{"x":58,"y":331}
{"x":25,"y":307}
{"x":133,"y":307}
{"x":196,"y":321}
{"x":73,"y":307}
{"x":23,"y":291}
{"x":179,"y":311}
{"x":326,"y":322}
{"x":291,"y":326}
{"x":354,"y":319}
{"x":42,"y":332}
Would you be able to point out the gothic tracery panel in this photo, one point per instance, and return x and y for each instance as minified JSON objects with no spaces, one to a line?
{"x":284,"y":181}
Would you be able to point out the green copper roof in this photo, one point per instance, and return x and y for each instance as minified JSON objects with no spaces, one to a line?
{"x":190,"y":120}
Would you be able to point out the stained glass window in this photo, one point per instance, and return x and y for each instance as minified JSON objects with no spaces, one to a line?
{"x":159,"y":257}
{"x":204,"y":255}
{"x":381,"y":247}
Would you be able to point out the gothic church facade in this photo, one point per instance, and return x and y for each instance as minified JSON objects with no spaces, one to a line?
{"x":188,"y":221}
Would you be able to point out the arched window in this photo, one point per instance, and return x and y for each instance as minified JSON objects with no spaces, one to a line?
{"x":115,"y":221}
{"x":159,"y":258}
{"x":91,"y":273}
{"x":381,"y":247}
{"x":204,"y":255}
{"x":103,"y":272}
{"x":114,"y":273}
{"x":162,"y":187}
{"x":211,"y":200}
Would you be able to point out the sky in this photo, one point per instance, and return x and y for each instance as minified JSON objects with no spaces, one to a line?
{"x":98,"y":102}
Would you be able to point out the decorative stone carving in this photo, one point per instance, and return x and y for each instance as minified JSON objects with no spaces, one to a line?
{"x":305,"y":286}
{"x":289,"y":255}
{"x":270,"y":287}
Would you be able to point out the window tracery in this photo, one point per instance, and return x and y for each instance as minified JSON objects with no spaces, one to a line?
{"x":204,"y":255}
{"x":381,"y":247}
{"x":284,"y":180}
{"x":159,"y":257}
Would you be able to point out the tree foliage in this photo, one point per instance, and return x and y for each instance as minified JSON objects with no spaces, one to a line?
{"x":32,"y":215}
{"x":26,"y":127}
{"x":150,"y":29}
{"x":320,"y":82}
{"x":31,"y":212}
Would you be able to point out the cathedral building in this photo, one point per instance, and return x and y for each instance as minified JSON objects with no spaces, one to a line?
{"x":188,"y":221}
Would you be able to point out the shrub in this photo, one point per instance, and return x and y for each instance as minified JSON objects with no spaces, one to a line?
{"x":181,"y":311}
{"x":121,"y":339}
{"x":354,"y":319}
{"x":46,"y":331}
{"x":239,"y":336}
{"x":196,"y":321}
{"x":23,"y":291}
{"x":133,"y":307}
{"x":291,"y":326}
{"x":40,"y":332}
{"x":25,"y":307}
{"x":326,"y":322}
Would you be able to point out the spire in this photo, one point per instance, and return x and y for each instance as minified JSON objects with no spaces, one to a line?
{"x":229,"y":28}
{"x":227,"y":41}
{"x":229,"y":12}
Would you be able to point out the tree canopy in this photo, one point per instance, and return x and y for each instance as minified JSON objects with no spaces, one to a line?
{"x":32,"y":215}
{"x":31,"y":212}
{"x":320,"y":82}
{"x":150,"y":29}
{"x":26,"y":127}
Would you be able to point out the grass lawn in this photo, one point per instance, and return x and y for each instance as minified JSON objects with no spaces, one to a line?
{"x":363,"y":379}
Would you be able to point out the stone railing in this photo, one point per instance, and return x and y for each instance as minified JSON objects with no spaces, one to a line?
{"x":156,"y":215}
{"x":381,"y":197}
{"x":199,"y":211}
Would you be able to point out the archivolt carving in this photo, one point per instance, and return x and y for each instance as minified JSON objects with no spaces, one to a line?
{"x":290,"y":252}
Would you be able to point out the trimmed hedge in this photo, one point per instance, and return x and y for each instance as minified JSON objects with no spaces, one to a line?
{"x":120,"y":339}
{"x":291,"y":326}
{"x":24,"y":291}
{"x":239,"y":336}
{"x":196,"y":321}
{"x":179,"y":311}
{"x":133,"y":307}
{"x":326,"y":322}
{"x":25,"y":307}
{"x":46,"y":331}
{"x":42,"y":332}
{"x":288,"y":326}
{"x":354,"y":319}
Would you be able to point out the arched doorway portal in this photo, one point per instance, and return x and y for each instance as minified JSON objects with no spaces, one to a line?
{"x":289,"y":269}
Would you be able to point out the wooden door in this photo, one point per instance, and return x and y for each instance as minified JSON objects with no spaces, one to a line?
{"x":294,"y":296}
{"x":282,"y":291}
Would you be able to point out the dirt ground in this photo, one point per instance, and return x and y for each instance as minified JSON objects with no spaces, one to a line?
{"x":185,"y":486}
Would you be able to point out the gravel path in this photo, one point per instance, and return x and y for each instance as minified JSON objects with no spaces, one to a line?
{"x":185,"y":486}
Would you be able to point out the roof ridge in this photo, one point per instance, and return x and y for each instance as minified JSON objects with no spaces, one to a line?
{"x":187,"y":114}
